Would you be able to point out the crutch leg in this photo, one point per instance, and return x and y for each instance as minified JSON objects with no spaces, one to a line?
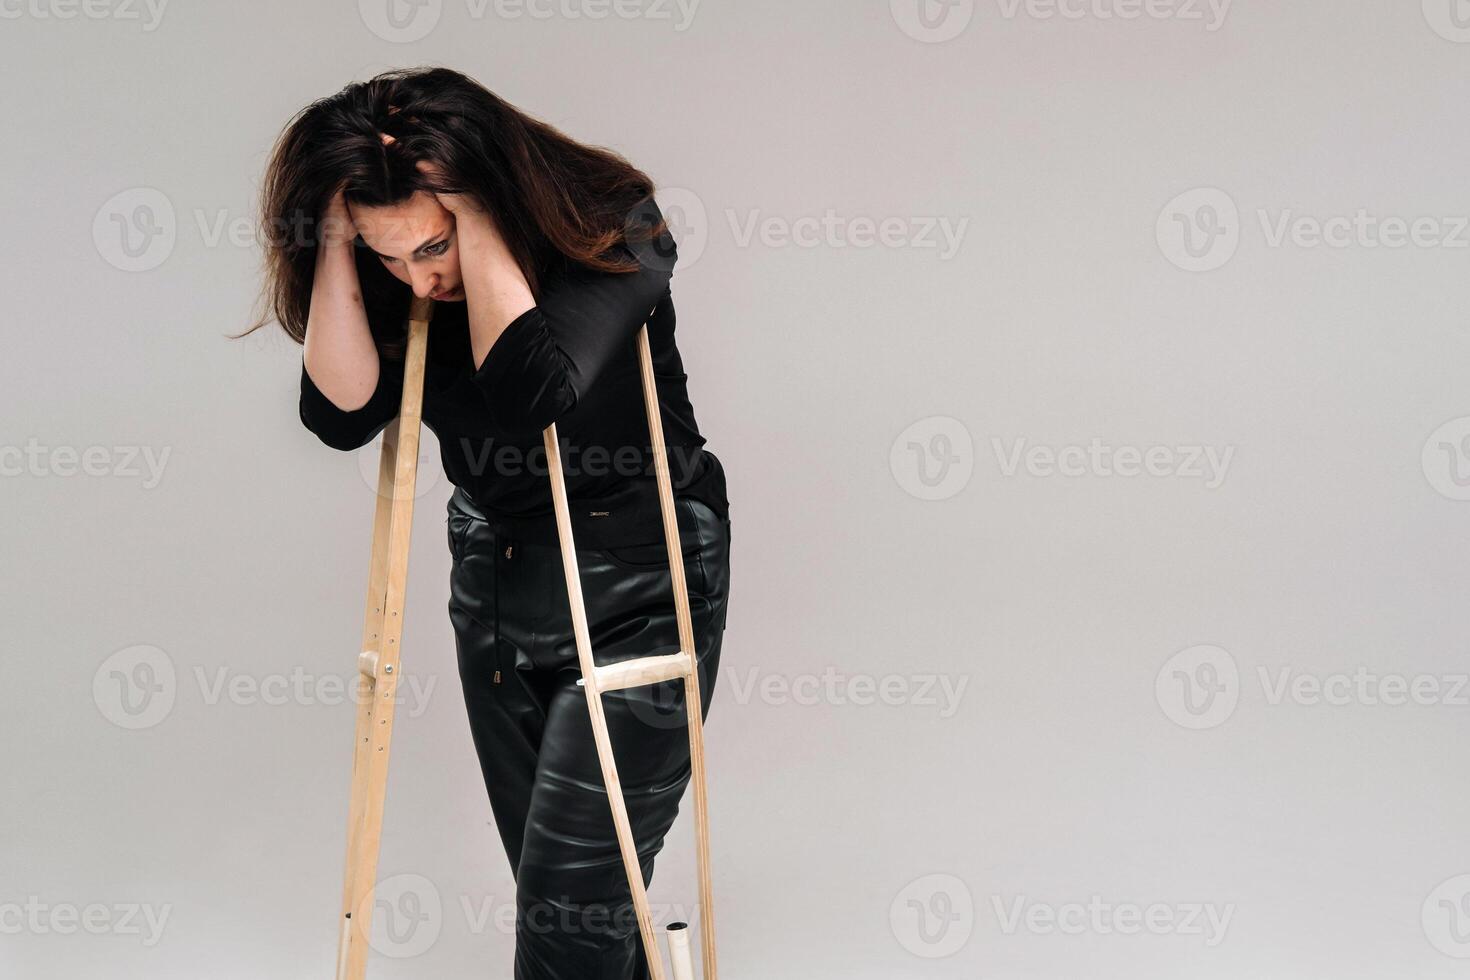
{"x":693,"y":701}
{"x":639,"y":671}
{"x":378,"y":664}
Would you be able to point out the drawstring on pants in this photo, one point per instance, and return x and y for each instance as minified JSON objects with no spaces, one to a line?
{"x":508,"y":549}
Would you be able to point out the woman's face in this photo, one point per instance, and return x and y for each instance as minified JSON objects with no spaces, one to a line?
{"x":416,"y":242}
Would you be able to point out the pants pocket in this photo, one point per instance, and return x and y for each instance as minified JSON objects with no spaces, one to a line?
{"x":655,"y":555}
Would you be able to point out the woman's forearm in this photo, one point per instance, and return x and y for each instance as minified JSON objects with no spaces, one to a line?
{"x":496,"y":291}
{"x":340,"y":355}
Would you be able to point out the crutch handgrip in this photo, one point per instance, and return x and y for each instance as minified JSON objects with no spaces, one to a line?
{"x":639,"y":671}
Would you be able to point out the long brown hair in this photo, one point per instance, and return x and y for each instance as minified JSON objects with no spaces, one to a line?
{"x":555,"y":200}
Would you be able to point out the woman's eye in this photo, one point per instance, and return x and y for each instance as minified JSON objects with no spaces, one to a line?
{"x":437,"y":249}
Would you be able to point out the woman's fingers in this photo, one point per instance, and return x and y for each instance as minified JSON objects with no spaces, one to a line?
{"x":453,"y":203}
{"x":337,"y":225}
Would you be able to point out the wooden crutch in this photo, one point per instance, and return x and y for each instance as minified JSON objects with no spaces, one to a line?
{"x":596,"y":680}
{"x":379,"y":665}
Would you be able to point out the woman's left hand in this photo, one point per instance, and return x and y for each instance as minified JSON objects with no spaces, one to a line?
{"x":455,"y":204}
{"x":479,"y":234}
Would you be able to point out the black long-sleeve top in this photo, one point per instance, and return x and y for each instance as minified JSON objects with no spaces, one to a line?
{"x":571,"y":359}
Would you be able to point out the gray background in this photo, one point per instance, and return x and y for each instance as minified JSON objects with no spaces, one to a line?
{"x":1114,"y":646}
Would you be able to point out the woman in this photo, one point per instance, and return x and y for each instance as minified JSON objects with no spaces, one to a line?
{"x":545,"y":257}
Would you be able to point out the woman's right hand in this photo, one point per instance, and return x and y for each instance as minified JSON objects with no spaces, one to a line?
{"x":340,"y":354}
{"x":337,"y":228}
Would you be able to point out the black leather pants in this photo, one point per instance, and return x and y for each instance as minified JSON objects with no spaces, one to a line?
{"x":532,"y":733}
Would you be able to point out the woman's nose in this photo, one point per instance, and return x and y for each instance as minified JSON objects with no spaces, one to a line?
{"x":425,"y":285}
